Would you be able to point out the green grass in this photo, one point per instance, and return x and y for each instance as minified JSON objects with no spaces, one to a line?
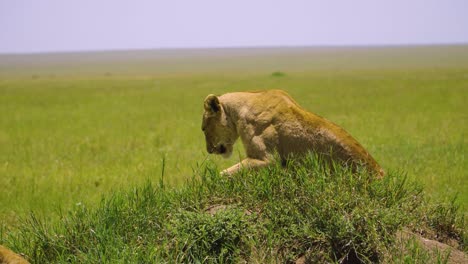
{"x":273,"y":215}
{"x":77,"y":127}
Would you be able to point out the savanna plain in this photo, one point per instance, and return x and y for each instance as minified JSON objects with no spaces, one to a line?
{"x":78,"y":128}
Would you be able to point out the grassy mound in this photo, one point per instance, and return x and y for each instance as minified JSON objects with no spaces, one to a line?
{"x":279,"y":214}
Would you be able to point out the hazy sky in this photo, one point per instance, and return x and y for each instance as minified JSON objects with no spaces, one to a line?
{"x":73,"y":25}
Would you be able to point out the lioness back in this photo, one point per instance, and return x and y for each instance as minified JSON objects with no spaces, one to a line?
{"x":271,"y":121}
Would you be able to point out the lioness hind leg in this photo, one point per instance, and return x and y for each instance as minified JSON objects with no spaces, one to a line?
{"x":247,"y":163}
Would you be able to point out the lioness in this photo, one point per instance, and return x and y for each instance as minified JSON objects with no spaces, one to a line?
{"x":270,"y":122}
{"x":9,"y":257}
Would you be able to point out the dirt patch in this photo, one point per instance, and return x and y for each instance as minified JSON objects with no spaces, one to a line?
{"x":215,"y":208}
{"x":434,"y":247}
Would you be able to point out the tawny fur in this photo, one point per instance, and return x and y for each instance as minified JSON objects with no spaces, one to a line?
{"x":9,"y":257}
{"x":270,"y":122}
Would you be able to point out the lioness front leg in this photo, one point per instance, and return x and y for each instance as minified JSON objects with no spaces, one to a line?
{"x":248,"y":163}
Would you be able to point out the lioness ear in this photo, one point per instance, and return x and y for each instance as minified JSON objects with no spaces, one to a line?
{"x":212,"y":104}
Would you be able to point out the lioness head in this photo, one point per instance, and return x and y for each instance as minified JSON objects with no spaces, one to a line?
{"x":220,"y":131}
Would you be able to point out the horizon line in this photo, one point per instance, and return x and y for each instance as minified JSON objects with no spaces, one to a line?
{"x":240,"y":47}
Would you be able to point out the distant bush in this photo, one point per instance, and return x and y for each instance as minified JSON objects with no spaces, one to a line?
{"x":278,"y":74}
{"x":277,"y":214}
